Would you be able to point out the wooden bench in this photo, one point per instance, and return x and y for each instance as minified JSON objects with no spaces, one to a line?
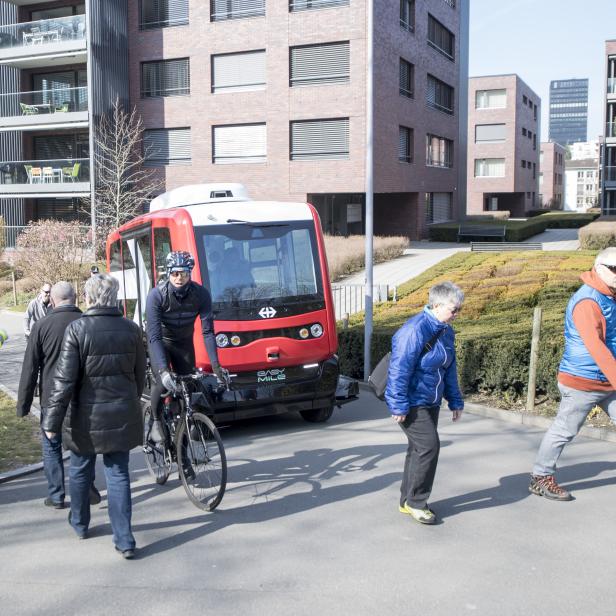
{"x":482,"y":231}
{"x":497,"y":246}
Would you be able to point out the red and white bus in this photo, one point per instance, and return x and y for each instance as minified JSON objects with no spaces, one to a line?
{"x":264,"y":263}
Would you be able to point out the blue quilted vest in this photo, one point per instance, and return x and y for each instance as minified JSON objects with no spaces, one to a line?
{"x":576,"y":358}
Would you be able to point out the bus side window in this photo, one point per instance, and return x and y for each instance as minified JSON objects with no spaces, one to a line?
{"x":144,"y":243}
{"x":162,"y":247}
{"x":115,"y":261}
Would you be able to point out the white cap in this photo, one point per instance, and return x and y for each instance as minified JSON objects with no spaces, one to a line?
{"x":606,"y":257}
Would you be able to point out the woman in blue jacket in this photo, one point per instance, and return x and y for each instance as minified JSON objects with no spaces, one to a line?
{"x":422,"y":370}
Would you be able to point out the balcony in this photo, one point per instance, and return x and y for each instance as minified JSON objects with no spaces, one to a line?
{"x":45,"y":178}
{"x":43,"y":109}
{"x":611,"y":86}
{"x":609,"y":177}
{"x":610,"y":131}
{"x":48,"y":42}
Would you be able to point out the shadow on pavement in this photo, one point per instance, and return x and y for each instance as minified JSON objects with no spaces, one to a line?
{"x":514,"y":488}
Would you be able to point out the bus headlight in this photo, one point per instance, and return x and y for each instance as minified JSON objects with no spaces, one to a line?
{"x":316,"y":330}
{"x":222,"y":340}
{"x":235,"y":340}
{"x":304,"y":333}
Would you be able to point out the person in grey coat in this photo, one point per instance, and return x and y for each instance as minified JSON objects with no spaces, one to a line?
{"x":38,"y":308}
{"x":102,"y":369}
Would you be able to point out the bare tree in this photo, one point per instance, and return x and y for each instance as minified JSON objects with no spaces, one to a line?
{"x":123,"y":183}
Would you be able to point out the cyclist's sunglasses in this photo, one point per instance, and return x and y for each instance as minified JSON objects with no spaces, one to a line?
{"x":180,"y":273}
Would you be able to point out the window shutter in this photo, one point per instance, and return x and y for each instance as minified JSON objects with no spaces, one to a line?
{"x":161,"y":13}
{"x":406,"y":78}
{"x":235,"y":71}
{"x":167,"y":146}
{"x":431,"y":91}
{"x":489,"y":132}
{"x":441,"y":207}
{"x":314,"y":139}
{"x":165,"y":78}
{"x":236,"y":9}
{"x":304,"y":5}
{"x":404,"y":145}
{"x":242,"y":143}
{"x":318,"y":64}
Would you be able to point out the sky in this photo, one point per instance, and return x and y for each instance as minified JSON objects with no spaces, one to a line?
{"x":542,"y":40}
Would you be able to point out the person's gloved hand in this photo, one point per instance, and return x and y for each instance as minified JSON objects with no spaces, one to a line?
{"x":168,"y":382}
{"x":221,"y":374}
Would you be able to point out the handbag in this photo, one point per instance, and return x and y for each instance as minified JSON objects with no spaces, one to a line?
{"x":378,"y":378}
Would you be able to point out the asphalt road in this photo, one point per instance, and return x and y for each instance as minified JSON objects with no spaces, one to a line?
{"x":309,"y":525}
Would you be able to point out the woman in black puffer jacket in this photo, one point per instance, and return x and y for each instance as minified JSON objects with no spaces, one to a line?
{"x":99,"y":378}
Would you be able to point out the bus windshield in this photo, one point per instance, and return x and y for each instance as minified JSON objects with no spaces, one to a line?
{"x":252,"y":267}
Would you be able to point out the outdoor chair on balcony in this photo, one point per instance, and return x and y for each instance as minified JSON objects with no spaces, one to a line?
{"x":47,"y":174}
{"x":71,"y":174}
{"x":63,"y":108}
{"x":35,"y":174}
{"x":28,"y":109}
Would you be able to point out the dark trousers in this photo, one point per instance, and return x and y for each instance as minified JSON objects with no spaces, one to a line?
{"x":53,"y":466}
{"x":420,"y":427}
{"x":118,"y":495}
{"x":182,"y":358}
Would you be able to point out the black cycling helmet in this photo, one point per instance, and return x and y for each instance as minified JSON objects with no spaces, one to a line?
{"x":179,"y":261}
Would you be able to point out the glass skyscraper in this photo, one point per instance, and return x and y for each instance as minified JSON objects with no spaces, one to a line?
{"x":568,"y":111}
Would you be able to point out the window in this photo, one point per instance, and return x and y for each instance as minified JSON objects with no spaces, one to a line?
{"x":534,"y":170}
{"x":320,"y":64}
{"x":163,"y":13}
{"x":306,"y":5}
{"x":523,"y":164}
{"x":162,"y":247}
{"x":316,"y":139}
{"x":441,"y":38}
{"x":115,"y":261}
{"x":439,"y":151}
{"x":535,"y":141}
{"x":490,"y":133}
{"x":439,"y":95}
{"x":523,"y":132}
{"x":167,"y":146}
{"x":165,"y":78}
{"x":524,"y":99}
{"x":438,"y":207}
{"x":490,"y":99}
{"x":405,"y":145}
{"x":490,"y":167}
{"x":407,"y":79}
{"x":236,"y":9}
{"x":232,"y":72}
{"x":407,"y":15}
{"x":239,"y":143}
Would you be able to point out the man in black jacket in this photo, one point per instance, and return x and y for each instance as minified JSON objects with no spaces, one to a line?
{"x":40,"y":359}
{"x":101,"y":369}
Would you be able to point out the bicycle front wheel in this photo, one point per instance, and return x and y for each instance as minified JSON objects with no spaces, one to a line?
{"x":157,"y":455}
{"x":202,"y":463}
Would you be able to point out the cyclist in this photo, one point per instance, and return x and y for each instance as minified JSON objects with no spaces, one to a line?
{"x":171,"y":309}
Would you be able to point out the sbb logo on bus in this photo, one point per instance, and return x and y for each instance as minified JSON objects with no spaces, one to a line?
{"x":271,"y":376}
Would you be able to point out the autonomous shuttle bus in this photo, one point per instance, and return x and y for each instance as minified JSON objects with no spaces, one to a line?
{"x":265,"y":266}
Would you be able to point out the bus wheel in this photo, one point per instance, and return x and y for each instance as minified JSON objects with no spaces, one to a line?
{"x":317,"y":415}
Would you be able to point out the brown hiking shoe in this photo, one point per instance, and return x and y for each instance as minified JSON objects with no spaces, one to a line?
{"x":545,"y":485}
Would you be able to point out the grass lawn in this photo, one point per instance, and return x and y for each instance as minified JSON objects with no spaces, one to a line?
{"x":19,"y":442}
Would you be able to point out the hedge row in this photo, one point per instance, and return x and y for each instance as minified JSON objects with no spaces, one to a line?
{"x":599,"y":234}
{"x":517,"y":230}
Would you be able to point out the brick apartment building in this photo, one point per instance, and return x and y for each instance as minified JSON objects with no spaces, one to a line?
{"x":608,"y":175}
{"x":503,"y":151}
{"x":551,"y":175}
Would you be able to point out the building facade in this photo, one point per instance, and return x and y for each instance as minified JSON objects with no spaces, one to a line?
{"x":551,"y":175}
{"x":503,"y":151}
{"x":581,"y":184}
{"x":568,"y":111}
{"x":55,"y":83}
{"x":585,"y":149}
{"x":608,"y":159}
{"x":273,"y":95}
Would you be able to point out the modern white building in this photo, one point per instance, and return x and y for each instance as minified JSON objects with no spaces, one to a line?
{"x":581,"y":184}
{"x":585,"y":149}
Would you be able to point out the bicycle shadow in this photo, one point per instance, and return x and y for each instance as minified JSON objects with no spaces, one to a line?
{"x":269,"y":478}
{"x":514,"y":488}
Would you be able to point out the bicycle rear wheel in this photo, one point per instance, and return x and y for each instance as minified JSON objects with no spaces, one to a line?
{"x":202,"y":463}
{"x":157,"y":455}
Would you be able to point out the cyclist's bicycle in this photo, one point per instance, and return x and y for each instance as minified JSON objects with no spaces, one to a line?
{"x":191,"y":440}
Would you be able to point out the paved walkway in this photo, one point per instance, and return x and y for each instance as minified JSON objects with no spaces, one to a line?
{"x":309,"y":525}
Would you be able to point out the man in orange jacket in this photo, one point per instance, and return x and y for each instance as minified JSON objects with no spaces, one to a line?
{"x":587,"y":372}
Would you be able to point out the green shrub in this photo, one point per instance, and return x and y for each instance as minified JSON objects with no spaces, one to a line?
{"x":598,"y":235}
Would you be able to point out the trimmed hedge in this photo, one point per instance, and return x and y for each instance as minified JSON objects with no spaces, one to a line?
{"x":517,"y":230}
{"x":599,"y":234}
{"x":494,"y":329}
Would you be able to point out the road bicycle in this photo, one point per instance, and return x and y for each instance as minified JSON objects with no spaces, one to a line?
{"x":191,"y":441}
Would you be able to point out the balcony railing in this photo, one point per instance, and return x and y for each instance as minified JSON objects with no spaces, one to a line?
{"x":45,"y":173}
{"x":609,"y":174}
{"x":610,"y":129}
{"x":35,"y":33}
{"x":611,"y":85}
{"x":44,"y":102}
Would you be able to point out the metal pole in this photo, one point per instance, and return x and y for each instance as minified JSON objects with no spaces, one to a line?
{"x":92,"y":120}
{"x":369,"y":184}
{"x":534,"y":355}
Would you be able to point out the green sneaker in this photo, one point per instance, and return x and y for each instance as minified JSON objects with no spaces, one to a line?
{"x":423,"y":516}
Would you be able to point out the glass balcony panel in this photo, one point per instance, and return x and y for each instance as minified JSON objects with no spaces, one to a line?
{"x":46,"y":173}
{"x":44,"y":102}
{"x":611,"y":85}
{"x":610,"y":130}
{"x":609,"y":174}
{"x":45,"y":31}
